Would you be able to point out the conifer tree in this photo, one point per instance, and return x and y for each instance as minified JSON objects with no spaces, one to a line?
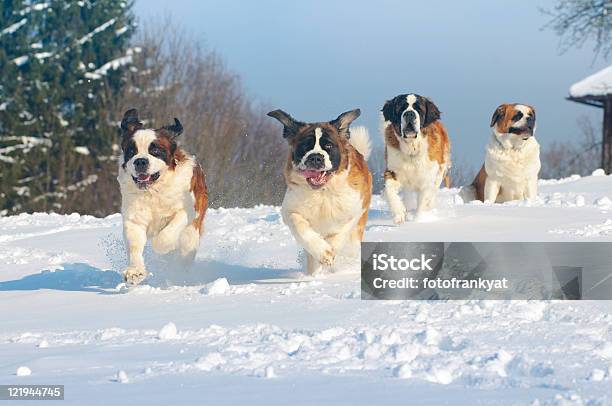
{"x":62,"y":64}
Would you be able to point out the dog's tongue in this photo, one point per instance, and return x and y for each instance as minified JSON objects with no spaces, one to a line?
{"x":308,"y":173}
{"x":314,"y":178}
{"x":143,"y":177}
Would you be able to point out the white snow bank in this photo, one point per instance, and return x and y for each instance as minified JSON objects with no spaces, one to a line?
{"x":121,"y":377}
{"x":23,"y":371}
{"x":248,"y":312}
{"x":219,"y":287}
{"x":599,"y":172}
{"x":597,"y":84}
{"x":168,"y":332}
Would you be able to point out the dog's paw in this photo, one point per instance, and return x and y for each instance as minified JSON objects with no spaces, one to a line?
{"x":164,"y":243}
{"x":323,"y":252}
{"x":327,"y":257}
{"x":133,"y":275}
{"x":400,"y":217}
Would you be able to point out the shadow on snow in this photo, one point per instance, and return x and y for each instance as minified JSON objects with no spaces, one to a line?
{"x":82,"y":277}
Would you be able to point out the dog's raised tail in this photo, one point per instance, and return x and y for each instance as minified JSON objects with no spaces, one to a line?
{"x":360,"y":140}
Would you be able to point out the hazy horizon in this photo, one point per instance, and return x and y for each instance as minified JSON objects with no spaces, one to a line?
{"x":317,"y":59}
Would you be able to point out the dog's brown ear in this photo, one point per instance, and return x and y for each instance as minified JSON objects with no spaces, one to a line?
{"x":344,"y":120}
{"x":431,"y":112}
{"x":130,"y":122}
{"x":499,"y":113}
{"x":532,"y":111}
{"x":175,"y":129}
{"x":290,"y":124}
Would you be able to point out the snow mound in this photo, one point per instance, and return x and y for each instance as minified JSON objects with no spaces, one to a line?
{"x":168,"y":332}
{"x":599,"y":172}
{"x":121,"y":377}
{"x":219,"y":287}
{"x":209,"y":362}
{"x":23,"y":371}
{"x":605,"y":351}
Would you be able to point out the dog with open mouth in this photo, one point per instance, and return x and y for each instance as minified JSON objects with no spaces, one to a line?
{"x":163,"y":194}
{"x":329,"y":186}
{"x":512,"y":160}
{"x":417,"y":153}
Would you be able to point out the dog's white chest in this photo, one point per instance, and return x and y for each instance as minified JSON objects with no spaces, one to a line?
{"x":513,"y":168}
{"x":414,"y":172}
{"x":327,"y":209}
{"x":154,"y":210}
{"x":155,"y":207}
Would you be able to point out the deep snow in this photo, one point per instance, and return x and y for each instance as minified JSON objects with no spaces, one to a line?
{"x":247,"y":326}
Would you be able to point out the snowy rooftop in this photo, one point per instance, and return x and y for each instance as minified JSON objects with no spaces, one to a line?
{"x":598,"y":84}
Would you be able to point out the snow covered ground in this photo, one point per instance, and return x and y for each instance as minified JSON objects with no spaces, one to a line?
{"x":246,"y":326}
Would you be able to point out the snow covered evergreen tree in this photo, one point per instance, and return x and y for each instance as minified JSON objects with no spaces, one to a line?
{"x":62,"y":65}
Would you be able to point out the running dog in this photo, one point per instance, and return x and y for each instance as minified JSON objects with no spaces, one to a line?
{"x":329,"y":185}
{"x":163,"y":194}
{"x":417,"y":153}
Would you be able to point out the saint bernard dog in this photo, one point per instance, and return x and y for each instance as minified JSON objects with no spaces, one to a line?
{"x":512,"y":160}
{"x":329,"y":186}
{"x":163,"y":194}
{"x":417,"y":153}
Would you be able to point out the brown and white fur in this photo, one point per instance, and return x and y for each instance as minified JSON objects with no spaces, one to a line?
{"x":329,"y":186}
{"x":163,"y":194}
{"x":417,"y":153}
{"x":512,"y":160}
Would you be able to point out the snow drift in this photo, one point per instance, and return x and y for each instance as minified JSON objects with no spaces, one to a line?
{"x":246,"y":325}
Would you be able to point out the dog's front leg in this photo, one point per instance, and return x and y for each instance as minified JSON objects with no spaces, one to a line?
{"x":312,"y":242}
{"x":425,"y":200}
{"x":312,"y":265}
{"x":491,"y":190}
{"x":167,"y":239}
{"x":532,"y":189}
{"x":136,"y":237}
{"x":392,"y":189}
{"x":342,"y":237}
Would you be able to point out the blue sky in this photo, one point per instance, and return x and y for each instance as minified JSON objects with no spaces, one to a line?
{"x":316,"y":59}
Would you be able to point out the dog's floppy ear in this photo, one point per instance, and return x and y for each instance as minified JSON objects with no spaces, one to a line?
{"x":431,"y":112}
{"x":388,"y":109}
{"x":498,"y":114}
{"x":130,"y":122}
{"x":290,"y":124}
{"x":344,"y":120}
{"x":532,"y":111}
{"x":175,"y":129}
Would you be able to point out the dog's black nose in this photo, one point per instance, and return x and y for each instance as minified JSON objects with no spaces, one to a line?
{"x":530,"y":122}
{"x":409,"y":119}
{"x":141,"y":164}
{"x":315,"y":161}
{"x":409,"y":116}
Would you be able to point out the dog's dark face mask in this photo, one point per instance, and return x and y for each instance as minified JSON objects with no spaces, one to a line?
{"x":147,"y":153}
{"x":409,"y":114}
{"x":317,"y":149}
